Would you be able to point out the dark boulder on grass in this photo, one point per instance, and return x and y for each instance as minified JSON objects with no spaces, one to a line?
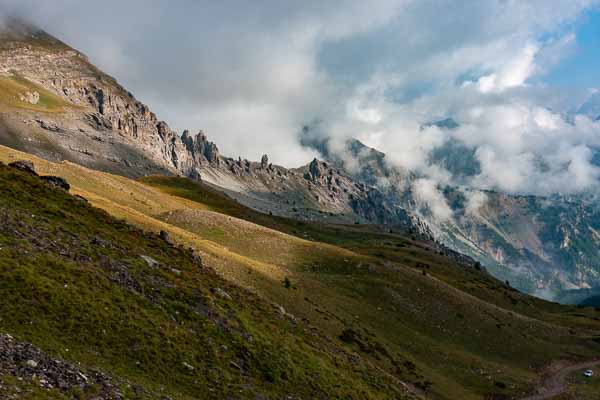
{"x":57,"y":181}
{"x":25,"y":166}
{"x":164,"y":235}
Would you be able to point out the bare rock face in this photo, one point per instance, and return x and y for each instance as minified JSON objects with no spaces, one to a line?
{"x":103,"y":110}
{"x":200,"y":151}
{"x":264,"y":161}
{"x":316,"y":170}
{"x":205,"y":148}
{"x":106,"y":127}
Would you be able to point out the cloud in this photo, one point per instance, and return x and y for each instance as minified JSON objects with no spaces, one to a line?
{"x":428,"y":195}
{"x":521,"y":132}
{"x":513,"y":74}
{"x":475,"y":201}
{"x":246,"y":73}
{"x":528,"y":149}
{"x":253,"y":74}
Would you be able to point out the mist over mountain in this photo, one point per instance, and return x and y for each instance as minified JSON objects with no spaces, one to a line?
{"x":254,"y":78}
{"x":471,"y":111}
{"x":373,"y":201}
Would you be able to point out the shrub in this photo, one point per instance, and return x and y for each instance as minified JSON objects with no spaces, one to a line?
{"x":287,"y":283}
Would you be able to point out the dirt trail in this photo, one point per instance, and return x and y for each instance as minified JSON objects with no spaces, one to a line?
{"x":554,"y":383}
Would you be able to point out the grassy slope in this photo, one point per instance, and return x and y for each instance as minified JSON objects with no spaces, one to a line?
{"x":73,"y":282}
{"x":510,"y":344}
{"x":457,"y":328}
{"x":12,"y":86}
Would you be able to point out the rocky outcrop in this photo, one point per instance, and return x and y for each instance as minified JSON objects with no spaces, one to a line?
{"x":264,"y":161}
{"x":24,"y":165}
{"x":57,"y":181}
{"x":202,"y":150}
{"x":316,"y":170}
{"x":30,"y":97}
{"x":105,"y":127}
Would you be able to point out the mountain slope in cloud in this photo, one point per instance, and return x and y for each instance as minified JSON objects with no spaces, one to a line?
{"x":80,"y":114}
{"x":541,"y":244}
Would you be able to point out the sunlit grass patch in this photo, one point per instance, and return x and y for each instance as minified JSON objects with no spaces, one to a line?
{"x":13,"y":87}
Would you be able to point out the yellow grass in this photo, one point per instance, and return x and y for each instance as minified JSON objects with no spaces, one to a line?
{"x":12,"y":86}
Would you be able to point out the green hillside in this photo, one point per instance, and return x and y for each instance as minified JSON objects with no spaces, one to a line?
{"x":468,"y":334}
{"x":95,"y":291}
{"x":374,"y":314}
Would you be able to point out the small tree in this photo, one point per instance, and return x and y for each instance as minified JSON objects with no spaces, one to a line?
{"x":287,"y":283}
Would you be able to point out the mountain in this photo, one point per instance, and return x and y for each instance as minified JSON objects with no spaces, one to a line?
{"x":542,"y":245}
{"x":148,"y":319}
{"x":57,"y":105}
{"x":137,"y":263}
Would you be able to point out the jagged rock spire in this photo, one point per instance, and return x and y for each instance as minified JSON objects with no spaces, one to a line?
{"x":264,"y":161}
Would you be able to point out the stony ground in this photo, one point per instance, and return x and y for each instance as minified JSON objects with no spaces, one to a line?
{"x":32,"y":367}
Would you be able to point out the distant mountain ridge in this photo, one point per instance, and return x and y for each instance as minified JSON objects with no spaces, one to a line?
{"x":542,"y":245}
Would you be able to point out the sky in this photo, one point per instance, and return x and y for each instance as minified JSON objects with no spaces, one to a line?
{"x":582,"y":68}
{"x":512,"y":73}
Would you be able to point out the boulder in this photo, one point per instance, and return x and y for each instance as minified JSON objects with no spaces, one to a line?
{"x":164,"y":235}
{"x":57,"y":181}
{"x":24,"y":165}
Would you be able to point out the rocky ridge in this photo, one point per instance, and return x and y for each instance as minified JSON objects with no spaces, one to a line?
{"x":104,"y":126}
{"x":542,"y":245}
